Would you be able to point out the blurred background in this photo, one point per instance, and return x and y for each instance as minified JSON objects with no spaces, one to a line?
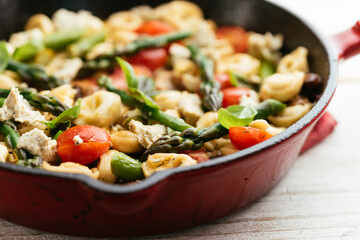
{"x":329,"y":17}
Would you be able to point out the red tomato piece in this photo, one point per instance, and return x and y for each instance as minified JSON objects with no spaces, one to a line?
{"x":96,"y":142}
{"x":152,"y":58}
{"x":233,"y":95}
{"x":198,"y":155}
{"x":237,"y":37}
{"x":118,"y":76}
{"x":155,"y":27}
{"x":223,"y":79}
{"x":244,"y":137}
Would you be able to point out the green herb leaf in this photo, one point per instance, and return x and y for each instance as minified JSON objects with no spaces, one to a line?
{"x":266,"y":69}
{"x":27,"y":51}
{"x":236,"y":115}
{"x":269,"y":107}
{"x":140,"y":96}
{"x":130,"y":76}
{"x":66,"y":117}
{"x":4,"y":56}
{"x":58,"y":134}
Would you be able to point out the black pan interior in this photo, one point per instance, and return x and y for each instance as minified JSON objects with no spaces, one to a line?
{"x":255,"y":15}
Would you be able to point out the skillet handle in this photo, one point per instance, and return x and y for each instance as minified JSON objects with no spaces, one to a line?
{"x":348,"y":42}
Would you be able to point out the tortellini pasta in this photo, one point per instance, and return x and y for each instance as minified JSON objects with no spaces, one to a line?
{"x":101,"y":109}
{"x":290,"y":115}
{"x":125,"y":20}
{"x":125,"y":141}
{"x":240,"y":63}
{"x":282,"y":86}
{"x":181,"y":14}
{"x":206,"y":120}
{"x":71,"y":167}
{"x":265,"y":126}
{"x":294,"y":61}
{"x":168,"y":99}
{"x":161,"y":161}
{"x":7,"y":82}
{"x":4,"y":153}
{"x":42,"y":22}
{"x":104,"y":168}
{"x":65,"y":93}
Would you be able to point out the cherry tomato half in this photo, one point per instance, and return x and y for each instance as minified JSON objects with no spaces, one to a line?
{"x":244,"y":137}
{"x":223,"y":79}
{"x":118,"y":76}
{"x":237,"y":37}
{"x":96,"y":142}
{"x":152,"y":58}
{"x":233,"y":95}
{"x":155,"y":27}
{"x":198,"y":155}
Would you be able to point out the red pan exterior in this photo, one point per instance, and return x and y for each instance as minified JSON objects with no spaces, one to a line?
{"x":169,"y":200}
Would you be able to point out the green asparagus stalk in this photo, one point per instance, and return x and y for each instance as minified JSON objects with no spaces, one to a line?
{"x":174,"y":123}
{"x":209,"y":87}
{"x":34,"y":75}
{"x":149,"y":42}
{"x":106,"y":61}
{"x":7,"y":129}
{"x":41,"y":102}
{"x":81,"y":47}
{"x":193,"y":138}
{"x":59,"y":40}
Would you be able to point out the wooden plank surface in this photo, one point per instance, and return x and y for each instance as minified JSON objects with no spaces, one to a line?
{"x":318,"y":199}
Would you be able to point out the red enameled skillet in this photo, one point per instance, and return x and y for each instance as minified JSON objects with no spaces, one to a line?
{"x":178,"y":198}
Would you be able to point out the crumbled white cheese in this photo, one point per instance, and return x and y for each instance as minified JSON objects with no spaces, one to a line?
{"x":64,"y":19}
{"x":147,"y":134}
{"x":38,"y":144}
{"x":20,"y":38}
{"x":252,"y":99}
{"x":179,"y":51}
{"x":77,"y":140}
{"x":190,"y":107}
{"x":17,"y":108}
{"x":64,"y":68}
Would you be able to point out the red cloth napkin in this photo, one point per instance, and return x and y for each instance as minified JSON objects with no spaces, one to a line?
{"x":321,"y":130}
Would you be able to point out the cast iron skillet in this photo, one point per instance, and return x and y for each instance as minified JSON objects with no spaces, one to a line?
{"x":178,"y":198}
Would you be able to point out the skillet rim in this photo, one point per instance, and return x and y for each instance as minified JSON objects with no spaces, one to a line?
{"x":158,"y":177}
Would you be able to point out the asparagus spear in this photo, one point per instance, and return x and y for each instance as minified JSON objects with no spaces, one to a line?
{"x":80,"y":48}
{"x":174,"y":123}
{"x":105,"y":62}
{"x":61,"y":39}
{"x":8,"y":130}
{"x":34,"y":75}
{"x":42,"y":102}
{"x":193,"y":138}
{"x":209,"y":88}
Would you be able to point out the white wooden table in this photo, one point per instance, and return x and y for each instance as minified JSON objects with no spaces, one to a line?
{"x":320,"y":197}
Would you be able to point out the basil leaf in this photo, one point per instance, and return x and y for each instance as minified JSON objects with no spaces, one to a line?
{"x":236,"y":115}
{"x":140,"y":96}
{"x":4,"y":56}
{"x":27,"y":51}
{"x":66,"y":117}
{"x":130,"y":76}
